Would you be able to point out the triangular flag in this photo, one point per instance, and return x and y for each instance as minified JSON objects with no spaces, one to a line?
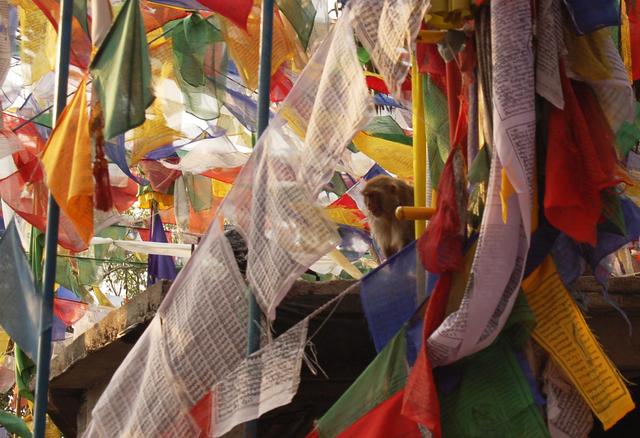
{"x":101,"y":17}
{"x":235,"y":10}
{"x":66,"y":161}
{"x":69,"y":311}
{"x":371,"y":405}
{"x":160,"y":266}
{"x":20,"y":309}
{"x":122,"y":72}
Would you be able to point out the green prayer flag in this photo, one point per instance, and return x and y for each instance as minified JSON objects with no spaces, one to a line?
{"x":480,"y":167}
{"x":612,"y":211}
{"x":387,"y":128}
{"x":363,"y":55}
{"x":80,"y":12}
{"x":383,"y":125}
{"x":121,"y":72}
{"x":384,"y":377}
{"x":14,"y":424}
{"x":493,"y":397}
{"x":25,"y":371}
{"x":200,"y":62}
{"x":65,"y":275}
{"x":628,"y":135}
{"x":301,"y":14}
{"x":436,"y":119}
{"x":199,"y":191}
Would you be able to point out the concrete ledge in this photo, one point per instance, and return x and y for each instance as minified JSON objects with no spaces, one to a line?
{"x":117,"y":326}
{"x":82,"y":370}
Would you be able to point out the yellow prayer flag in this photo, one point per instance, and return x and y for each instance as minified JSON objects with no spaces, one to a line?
{"x":587,"y":55}
{"x":220,"y":188}
{"x":344,"y":216}
{"x":345,"y":264}
{"x":4,"y":340}
{"x":506,"y":190}
{"x":163,"y":201}
{"x":244,"y":45}
{"x":625,"y":39}
{"x":152,"y":134}
{"x":66,"y":161}
{"x":101,"y":297}
{"x":395,"y":157}
{"x":562,"y":330}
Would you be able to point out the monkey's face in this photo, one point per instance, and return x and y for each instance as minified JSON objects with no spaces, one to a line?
{"x":374,"y":202}
{"x":380,"y":203}
{"x":381,"y":196}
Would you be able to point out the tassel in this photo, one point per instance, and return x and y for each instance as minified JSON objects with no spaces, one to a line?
{"x":102,"y":195}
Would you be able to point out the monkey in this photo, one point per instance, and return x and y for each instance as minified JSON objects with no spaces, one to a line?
{"x":382,"y":195}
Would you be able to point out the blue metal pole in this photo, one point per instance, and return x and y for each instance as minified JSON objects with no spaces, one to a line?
{"x":51,"y":243}
{"x":264,"y":86}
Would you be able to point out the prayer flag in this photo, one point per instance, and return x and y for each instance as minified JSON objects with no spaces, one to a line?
{"x":101,"y":18}
{"x":301,"y":14}
{"x":66,"y":161}
{"x":389,"y":295}
{"x":122,"y":72}
{"x":80,"y":42}
{"x":235,"y":10}
{"x":492,"y":395}
{"x":69,"y":311}
{"x":156,"y":16}
{"x":68,"y":307}
{"x":20,"y":309}
{"x":581,"y":162}
{"x":14,"y":424}
{"x":160,"y":266}
{"x":371,"y":406}
{"x":591,"y":15}
{"x":395,"y":157}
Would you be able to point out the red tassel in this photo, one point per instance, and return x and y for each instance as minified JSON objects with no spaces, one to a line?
{"x":102,"y":195}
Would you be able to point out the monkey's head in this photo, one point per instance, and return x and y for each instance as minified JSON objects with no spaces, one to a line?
{"x":381,"y":196}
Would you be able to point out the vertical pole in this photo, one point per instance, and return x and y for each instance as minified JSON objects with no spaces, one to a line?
{"x":419,"y":145}
{"x":51,"y":244}
{"x":264,"y":85}
{"x":419,"y":167}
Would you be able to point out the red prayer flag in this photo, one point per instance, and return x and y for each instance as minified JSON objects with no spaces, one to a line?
{"x":581,"y":162}
{"x":634,"y":31}
{"x":69,"y":311}
{"x":280,"y":86}
{"x":235,"y":10}
{"x":440,"y":246}
{"x":421,"y":402}
{"x":25,"y":191}
{"x":201,"y":414}
{"x":221,"y":174}
{"x":124,"y":197}
{"x":383,"y":421}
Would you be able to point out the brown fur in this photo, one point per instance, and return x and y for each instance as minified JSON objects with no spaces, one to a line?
{"x":382,"y":195}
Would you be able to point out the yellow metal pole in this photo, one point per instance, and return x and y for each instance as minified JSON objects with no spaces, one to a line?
{"x":419,"y":167}
{"x":419,"y":145}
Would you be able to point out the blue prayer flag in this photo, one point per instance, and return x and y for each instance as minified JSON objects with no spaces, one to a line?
{"x":20,"y":309}
{"x":160,"y":266}
{"x":388,"y":295}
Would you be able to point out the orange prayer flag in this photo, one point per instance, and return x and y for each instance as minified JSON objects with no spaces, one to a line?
{"x":66,"y":161}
